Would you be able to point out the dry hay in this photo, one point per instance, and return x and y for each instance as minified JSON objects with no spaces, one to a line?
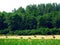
{"x":32,"y":37}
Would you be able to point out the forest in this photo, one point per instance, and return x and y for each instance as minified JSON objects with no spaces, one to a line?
{"x":41,"y":19}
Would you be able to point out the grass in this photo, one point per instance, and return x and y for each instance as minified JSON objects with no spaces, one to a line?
{"x":29,"y":42}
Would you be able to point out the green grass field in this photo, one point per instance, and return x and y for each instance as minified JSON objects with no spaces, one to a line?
{"x":29,"y":42}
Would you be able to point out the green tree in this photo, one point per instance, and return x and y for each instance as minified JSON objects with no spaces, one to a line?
{"x":15,"y":22}
{"x":41,"y":9}
{"x":3,"y":25}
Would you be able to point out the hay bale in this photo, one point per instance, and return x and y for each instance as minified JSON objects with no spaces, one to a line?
{"x":21,"y":37}
{"x":42,"y":37}
{"x":29,"y":37}
{"x":35,"y":36}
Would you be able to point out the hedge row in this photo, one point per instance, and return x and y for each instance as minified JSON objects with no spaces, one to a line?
{"x":40,"y":31}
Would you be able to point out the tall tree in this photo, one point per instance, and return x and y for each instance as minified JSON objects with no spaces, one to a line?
{"x":41,"y":9}
{"x":15,"y":22}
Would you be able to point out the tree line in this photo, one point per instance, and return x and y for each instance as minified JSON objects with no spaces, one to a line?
{"x":34,"y":19}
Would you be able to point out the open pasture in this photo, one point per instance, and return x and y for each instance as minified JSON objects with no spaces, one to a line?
{"x":29,"y":42}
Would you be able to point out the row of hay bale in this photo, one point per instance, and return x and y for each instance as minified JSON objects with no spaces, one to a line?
{"x":32,"y":37}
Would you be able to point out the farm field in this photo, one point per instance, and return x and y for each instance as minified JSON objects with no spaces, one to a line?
{"x":32,"y":37}
{"x":29,"y":42}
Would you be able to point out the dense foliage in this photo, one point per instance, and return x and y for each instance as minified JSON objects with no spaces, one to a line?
{"x":35,"y":19}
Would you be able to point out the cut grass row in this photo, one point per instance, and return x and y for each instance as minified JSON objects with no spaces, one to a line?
{"x":29,"y":42}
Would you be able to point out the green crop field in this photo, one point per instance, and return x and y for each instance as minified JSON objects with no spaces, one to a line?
{"x":29,"y":42}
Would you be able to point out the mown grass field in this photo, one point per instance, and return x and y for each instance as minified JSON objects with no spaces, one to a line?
{"x":29,"y":42}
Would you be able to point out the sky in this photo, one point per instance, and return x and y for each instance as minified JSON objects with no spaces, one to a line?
{"x":9,"y":5}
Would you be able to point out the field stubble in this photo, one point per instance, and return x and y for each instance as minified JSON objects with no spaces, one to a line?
{"x":32,"y":37}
